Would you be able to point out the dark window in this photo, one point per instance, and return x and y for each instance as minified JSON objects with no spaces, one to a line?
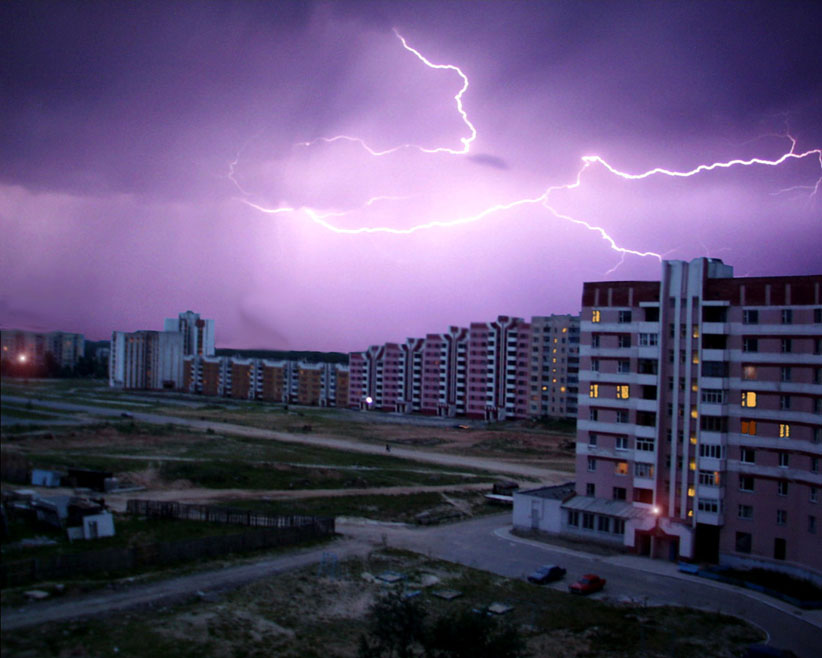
{"x":590,"y":489}
{"x":620,"y":493}
{"x":750,"y":316}
{"x":643,"y":496}
{"x":743,"y":542}
{"x":779,"y":548}
{"x":624,"y":316}
{"x":652,"y":314}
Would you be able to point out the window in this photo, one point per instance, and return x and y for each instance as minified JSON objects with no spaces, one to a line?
{"x":623,"y":366}
{"x":749,"y":372}
{"x":620,"y":493}
{"x":748,"y":398}
{"x":596,"y":316}
{"x":621,"y":468}
{"x":618,"y":527}
{"x":708,"y":505}
{"x":750,"y":345}
{"x":787,"y":345}
{"x":779,"y":548}
{"x":781,"y":517}
{"x":593,"y":414}
{"x":643,"y":470}
{"x":748,"y":427}
{"x":593,"y":391}
{"x":622,"y":416}
{"x":587,"y":521}
{"x":814,"y":464}
{"x":817,"y":315}
{"x":590,"y":489}
{"x":624,"y":340}
{"x":648,"y":340}
{"x":812,"y":497}
{"x":592,"y":438}
{"x":783,"y":460}
{"x":782,"y":488}
{"x":747,"y":455}
{"x":745,"y":512}
{"x":603,"y":523}
{"x":594,"y":340}
{"x":750,"y":316}
{"x":624,"y":317}
{"x":787,"y":316}
{"x":622,"y":443}
{"x":709,"y":478}
{"x":812,"y":524}
{"x":746,"y":483}
{"x":645,"y":444}
{"x":784,"y":401}
{"x":595,"y":365}
{"x":784,"y":431}
{"x":592,"y":464}
{"x":713,"y":396}
{"x":743,"y":542}
{"x":623,"y":392}
{"x":785,"y":374}
{"x":711,"y":451}
{"x":573,"y":518}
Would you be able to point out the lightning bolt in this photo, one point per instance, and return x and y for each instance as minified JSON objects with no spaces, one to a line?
{"x":323,"y":217}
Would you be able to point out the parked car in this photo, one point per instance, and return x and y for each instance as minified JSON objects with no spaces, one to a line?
{"x":547,"y":573}
{"x":126,"y":414}
{"x":588,"y":584}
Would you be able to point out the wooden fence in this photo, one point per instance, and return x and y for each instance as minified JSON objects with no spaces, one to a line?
{"x":292,"y":530}
{"x":158,"y":509}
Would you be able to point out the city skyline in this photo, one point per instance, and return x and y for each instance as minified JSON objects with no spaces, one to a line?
{"x":172,"y":155}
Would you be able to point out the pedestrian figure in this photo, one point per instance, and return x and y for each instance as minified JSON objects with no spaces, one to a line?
{"x":387,"y":448}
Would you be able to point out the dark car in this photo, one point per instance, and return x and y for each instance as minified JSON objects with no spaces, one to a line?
{"x":126,"y":414}
{"x":547,"y":573}
{"x":588,"y":584}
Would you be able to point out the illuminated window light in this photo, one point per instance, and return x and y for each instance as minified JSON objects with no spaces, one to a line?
{"x":593,"y":391}
{"x":596,"y":316}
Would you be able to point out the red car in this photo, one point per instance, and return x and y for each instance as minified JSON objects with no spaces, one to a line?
{"x":588,"y":584}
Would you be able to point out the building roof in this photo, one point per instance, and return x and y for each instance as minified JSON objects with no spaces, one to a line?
{"x":557,"y":492}
{"x":617,"y":508}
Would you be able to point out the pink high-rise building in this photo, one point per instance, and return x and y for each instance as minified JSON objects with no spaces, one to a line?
{"x":700,"y":417}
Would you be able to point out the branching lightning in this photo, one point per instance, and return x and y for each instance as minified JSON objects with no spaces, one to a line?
{"x":323,"y":217}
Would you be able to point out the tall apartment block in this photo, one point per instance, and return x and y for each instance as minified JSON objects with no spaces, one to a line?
{"x":198,"y":333}
{"x":146,"y":359}
{"x":700,"y":417}
{"x":490,"y":370}
{"x":554,"y":366}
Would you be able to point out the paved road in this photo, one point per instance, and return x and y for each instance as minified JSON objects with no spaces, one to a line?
{"x":512,"y":468}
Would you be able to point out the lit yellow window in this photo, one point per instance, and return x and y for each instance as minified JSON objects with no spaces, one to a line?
{"x":565,"y":330}
{"x":544,"y":388}
{"x":696,"y":332}
{"x":556,"y":340}
{"x":593,"y":391}
{"x":692,"y":465}
{"x":690,"y":513}
{"x":749,"y":372}
{"x":693,"y":439}
{"x":554,"y":350}
{"x":695,"y":388}
{"x":595,"y":316}
{"x":554,"y":360}
{"x":716,"y":478}
{"x":621,"y":468}
{"x":695,"y":358}
{"x":748,"y":398}
{"x":554,"y":380}
{"x":691,"y":492}
{"x":623,"y":392}
{"x":562,"y":389}
{"x":694,"y":413}
{"x":749,"y":427}
{"x":784,"y":431}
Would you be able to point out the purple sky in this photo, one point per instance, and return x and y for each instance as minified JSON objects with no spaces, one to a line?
{"x":119,"y":124}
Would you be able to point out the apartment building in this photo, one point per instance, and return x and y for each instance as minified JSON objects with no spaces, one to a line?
{"x":146,"y":360}
{"x":285,"y":381}
{"x":198,"y":333}
{"x":700,"y":417}
{"x":483,"y":371}
{"x":554,"y":366}
{"x":31,"y":347}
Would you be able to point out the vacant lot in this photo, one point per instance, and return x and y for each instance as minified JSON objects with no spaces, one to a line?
{"x":322,"y":612}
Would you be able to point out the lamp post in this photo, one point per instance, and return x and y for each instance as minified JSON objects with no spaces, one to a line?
{"x":656,"y":510}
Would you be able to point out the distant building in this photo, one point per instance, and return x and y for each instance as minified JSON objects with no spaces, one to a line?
{"x":146,"y":360}
{"x":699,"y":433}
{"x":31,"y":347}
{"x":198,"y":333}
{"x":490,"y":370}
